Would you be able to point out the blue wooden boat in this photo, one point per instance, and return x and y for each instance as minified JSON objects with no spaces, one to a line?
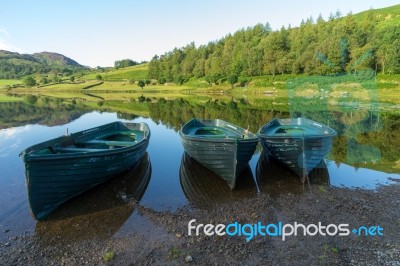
{"x":61,"y":168}
{"x":222,"y":147}
{"x":298,"y":143}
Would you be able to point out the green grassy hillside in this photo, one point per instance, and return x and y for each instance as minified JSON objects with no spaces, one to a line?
{"x":4,"y":83}
{"x":138,"y":72}
{"x":386,"y":17}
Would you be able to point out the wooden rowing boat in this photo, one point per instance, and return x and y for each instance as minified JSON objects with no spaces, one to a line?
{"x":298,"y":143}
{"x":203,"y":188}
{"x":100,"y":212}
{"x":59,"y":169}
{"x":222,"y":147}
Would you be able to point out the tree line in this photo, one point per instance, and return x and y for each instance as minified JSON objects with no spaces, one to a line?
{"x":125,"y":63}
{"x":336,"y":45}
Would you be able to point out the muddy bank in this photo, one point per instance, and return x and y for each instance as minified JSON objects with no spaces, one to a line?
{"x":163,"y":239}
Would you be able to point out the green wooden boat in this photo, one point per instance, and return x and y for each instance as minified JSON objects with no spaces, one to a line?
{"x":203,"y":188}
{"x":298,"y":143}
{"x":222,"y":147}
{"x":276,"y":180}
{"x":61,"y":168}
{"x":100,"y":212}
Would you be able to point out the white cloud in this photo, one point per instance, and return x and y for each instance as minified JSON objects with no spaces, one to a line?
{"x":12,"y":133}
{"x":6,"y":44}
{"x":11,"y":136}
{"x":4,"y":31}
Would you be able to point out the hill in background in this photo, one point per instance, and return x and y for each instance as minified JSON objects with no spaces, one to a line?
{"x":55,"y":59}
{"x":319,"y":46}
{"x":337,"y":44}
{"x":14,"y":65}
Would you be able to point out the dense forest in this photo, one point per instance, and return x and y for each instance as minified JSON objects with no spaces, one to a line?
{"x":369,"y":40}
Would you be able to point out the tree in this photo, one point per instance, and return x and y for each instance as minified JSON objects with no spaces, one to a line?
{"x":55,"y":79}
{"x":232,"y":79}
{"x":29,"y":81}
{"x":141,"y":84}
{"x":125,"y":63}
{"x":72,"y":79}
{"x":141,"y":98}
{"x":44,"y":80}
{"x":99,"y":77}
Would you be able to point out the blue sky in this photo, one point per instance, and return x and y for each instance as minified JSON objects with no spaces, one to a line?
{"x":98,"y":32}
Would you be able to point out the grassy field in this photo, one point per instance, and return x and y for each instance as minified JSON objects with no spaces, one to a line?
{"x":267,"y":91}
{"x":138,"y":72}
{"x":8,"y":98}
{"x":66,"y":86}
{"x":386,"y":17}
{"x":9,"y":82}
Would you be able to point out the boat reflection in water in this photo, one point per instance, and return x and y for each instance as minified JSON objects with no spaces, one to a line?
{"x":99,"y":212}
{"x":203,"y":188}
{"x":275,"y":179}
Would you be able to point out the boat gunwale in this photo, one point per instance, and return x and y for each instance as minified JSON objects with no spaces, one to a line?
{"x":28,"y":156}
{"x":229,"y":140}
{"x":272,"y":123}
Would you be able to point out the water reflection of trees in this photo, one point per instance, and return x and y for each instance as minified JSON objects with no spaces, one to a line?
{"x":126,"y":116}
{"x":38,"y":110}
{"x":364,"y":137}
{"x":175,"y":113}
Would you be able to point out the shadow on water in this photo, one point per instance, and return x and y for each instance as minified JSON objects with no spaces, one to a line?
{"x":203,"y":188}
{"x":275,"y":179}
{"x":99,"y":212}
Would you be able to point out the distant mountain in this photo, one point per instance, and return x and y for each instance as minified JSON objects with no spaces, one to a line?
{"x":15,"y":65}
{"x":55,"y":59}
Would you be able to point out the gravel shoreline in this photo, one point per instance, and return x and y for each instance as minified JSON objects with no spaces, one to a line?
{"x":165,"y":240}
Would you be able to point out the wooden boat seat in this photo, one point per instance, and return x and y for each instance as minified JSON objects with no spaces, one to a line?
{"x":295,"y":130}
{"x":77,"y":149}
{"x":209,"y":131}
{"x":289,"y":130}
{"x":109,"y":142}
{"x":212,"y":132}
{"x":130,"y":135}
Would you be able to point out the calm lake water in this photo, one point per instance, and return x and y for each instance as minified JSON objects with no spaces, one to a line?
{"x":166,"y":172}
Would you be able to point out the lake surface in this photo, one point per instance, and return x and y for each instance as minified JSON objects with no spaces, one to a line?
{"x":353,"y":163}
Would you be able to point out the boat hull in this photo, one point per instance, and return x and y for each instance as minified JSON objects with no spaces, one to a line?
{"x":203,"y":188}
{"x":107,"y":207}
{"x":53,"y":179}
{"x":271,"y":175}
{"x":226,"y":157}
{"x":300,"y":152}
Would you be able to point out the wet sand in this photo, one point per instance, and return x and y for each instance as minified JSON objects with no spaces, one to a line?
{"x":161,"y":238}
